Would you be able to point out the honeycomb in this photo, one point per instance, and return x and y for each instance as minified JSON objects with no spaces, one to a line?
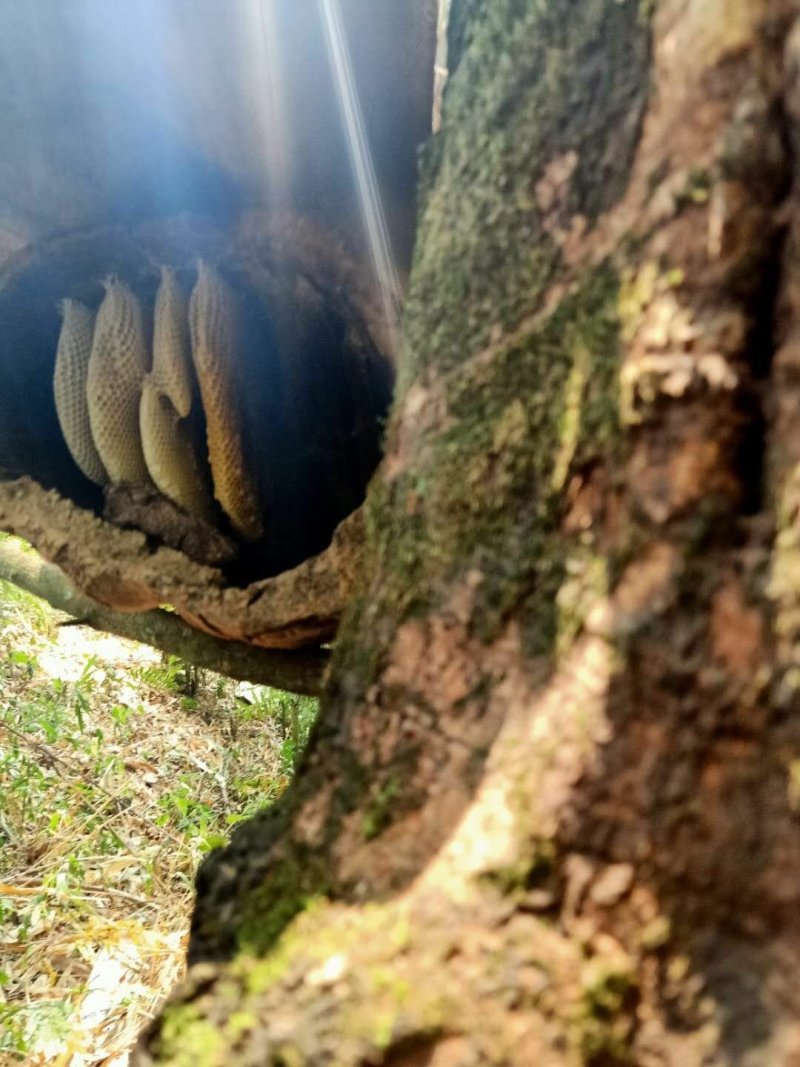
{"x":171,"y":344}
{"x":117,"y":366}
{"x":169,"y":452}
{"x":125,"y":425}
{"x":212,"y":323}
{"x":69,"y":388}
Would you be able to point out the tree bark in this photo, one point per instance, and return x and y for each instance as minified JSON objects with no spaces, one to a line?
{"x":550,"y":814}
{"x":296,"y":672}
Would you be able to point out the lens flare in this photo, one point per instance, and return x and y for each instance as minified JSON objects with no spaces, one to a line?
{"x":363,"y":169}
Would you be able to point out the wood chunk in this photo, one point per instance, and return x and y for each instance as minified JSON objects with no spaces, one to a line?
{"x":144,"y":508}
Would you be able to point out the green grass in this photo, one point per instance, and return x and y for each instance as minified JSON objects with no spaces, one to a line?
{"x":119,"y":770}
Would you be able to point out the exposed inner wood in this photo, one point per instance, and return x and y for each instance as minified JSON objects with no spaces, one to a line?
{"x":142,"y":507}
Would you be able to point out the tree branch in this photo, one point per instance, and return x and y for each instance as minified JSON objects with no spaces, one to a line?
{"x":295,"y":671}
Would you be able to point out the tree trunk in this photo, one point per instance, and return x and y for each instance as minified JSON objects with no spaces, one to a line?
{"x":550,"y":812}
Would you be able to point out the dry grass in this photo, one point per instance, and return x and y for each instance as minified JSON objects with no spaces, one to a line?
{"x":116,"y":777}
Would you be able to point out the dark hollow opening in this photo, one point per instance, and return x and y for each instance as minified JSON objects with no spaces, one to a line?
{"x":314,"y":386}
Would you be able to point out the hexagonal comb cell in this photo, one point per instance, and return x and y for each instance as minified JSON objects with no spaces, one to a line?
{"x":254,"y":404}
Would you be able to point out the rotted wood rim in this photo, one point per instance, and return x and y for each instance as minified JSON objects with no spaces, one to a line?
{"x":120,"y":569}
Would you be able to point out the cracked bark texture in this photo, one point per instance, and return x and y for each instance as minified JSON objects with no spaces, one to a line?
{"x":550,"y":811}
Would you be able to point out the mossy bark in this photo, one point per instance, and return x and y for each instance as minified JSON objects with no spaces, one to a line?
{"x":549,"y":815}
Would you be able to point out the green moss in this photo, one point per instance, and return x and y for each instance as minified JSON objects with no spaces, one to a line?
{"x":261,"y":975}
{"x":384,"y":1014}
{"x":534,"y":869}
{"x":656,"y":934}
{"x":240,"y":1023}
{"x":385,"y":980}
{"x":458,"y":31}
{"x":599,"y":1046}
{"x":355,"y":662}
{"x":486,"y":489}
{"x":602,"y":1028}
{"x":586,"y":582}
{"x":383,"y":1029}
{"x":286,"y":1056}
{"x":291,"y":887}
{"x":387,"y":997}
{"x":697,"y":189}
{"x":186,"y":1039}
{"x":379,"y":815}
{"x":607,"y":990}
{"x":527,"y":80}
